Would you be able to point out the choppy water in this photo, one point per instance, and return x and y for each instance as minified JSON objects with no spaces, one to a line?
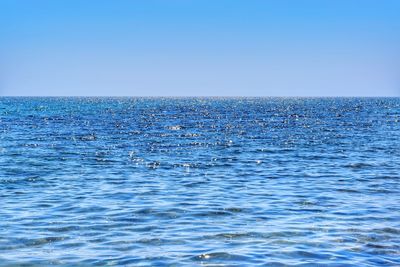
{"x":199,"y":182}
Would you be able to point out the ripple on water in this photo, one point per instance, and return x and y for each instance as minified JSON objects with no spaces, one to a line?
{"x":199,"y":182}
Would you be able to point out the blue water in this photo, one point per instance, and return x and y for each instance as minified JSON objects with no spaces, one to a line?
{"x":199,"y":181}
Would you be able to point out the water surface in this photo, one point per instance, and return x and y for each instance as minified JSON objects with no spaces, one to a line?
{"x":199,"y":181}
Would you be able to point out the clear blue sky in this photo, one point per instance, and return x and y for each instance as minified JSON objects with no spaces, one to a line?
{"x":200,"y":47}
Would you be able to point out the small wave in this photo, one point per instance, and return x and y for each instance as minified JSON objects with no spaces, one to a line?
{"x":42,"y":241}
{"x":175,"y":127}
{"x":220,"y":256}
{"x":89,"y":137}
{"x":358,"y":165}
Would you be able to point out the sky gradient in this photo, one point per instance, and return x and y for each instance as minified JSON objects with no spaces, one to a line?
{"x":200,"y":48}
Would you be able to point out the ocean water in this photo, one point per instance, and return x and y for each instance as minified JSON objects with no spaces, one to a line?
{"x":199,"y":181}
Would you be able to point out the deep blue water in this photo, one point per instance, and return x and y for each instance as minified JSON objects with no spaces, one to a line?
{"x":199,"y":181}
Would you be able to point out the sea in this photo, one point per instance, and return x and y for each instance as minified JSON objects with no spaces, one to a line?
{"x":130,"y":181}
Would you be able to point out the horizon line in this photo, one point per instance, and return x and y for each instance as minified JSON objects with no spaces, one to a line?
{"x":195,"y":96}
